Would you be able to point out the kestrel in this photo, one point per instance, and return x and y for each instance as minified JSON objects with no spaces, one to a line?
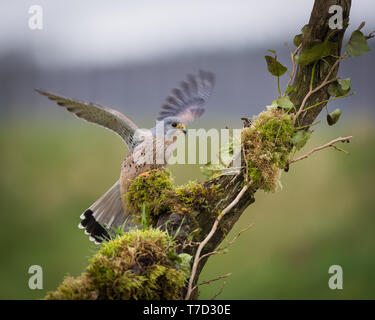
{"x":181,"y":107}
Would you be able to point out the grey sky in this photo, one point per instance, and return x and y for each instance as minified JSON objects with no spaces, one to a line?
{"x":102,"y":32}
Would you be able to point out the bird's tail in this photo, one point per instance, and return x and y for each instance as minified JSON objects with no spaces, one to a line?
{"x":106,"y":213}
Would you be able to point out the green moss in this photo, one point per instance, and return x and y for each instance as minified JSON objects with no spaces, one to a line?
{"x":134,"y":266}
{"x":275,"y":129}
{"x":80,"y":288}
{"x":197,"y":197}
{"x":267,"y":145}
{"x":156,"y":191}
{"x":150,"y":189}
{"x":254,"y":173}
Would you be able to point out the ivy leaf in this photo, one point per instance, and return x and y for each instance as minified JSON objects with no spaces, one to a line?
{"x":296,"y":58}
{"x":300,"y":138}
{"x":173,"y":256}
{"x":339,"y":88}
{"x":298,"y":39}
{"x":316,"y":52}
{"x":184,"y":263}
{"x":357,"y":44}
{"x":275,"y":67}
{"x":284,"y":103}
{"x":333,"y":117}
{"x":345,"y":83}
{"x":305,"y":28}
{"x":289,"y":89}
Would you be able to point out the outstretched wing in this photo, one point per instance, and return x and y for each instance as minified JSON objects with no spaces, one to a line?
{"x":187,"y":102}
{"x":103,"y":116}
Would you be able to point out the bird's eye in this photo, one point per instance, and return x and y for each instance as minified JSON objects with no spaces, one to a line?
{"x":174,"y":124}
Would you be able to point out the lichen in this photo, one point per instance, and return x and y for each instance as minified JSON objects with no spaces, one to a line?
{"x":134,"y":266}
{"x":267,"y":144}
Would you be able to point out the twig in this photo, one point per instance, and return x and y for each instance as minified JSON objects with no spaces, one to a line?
{"x":327,"y":145}
{"x":236,"y":237}
{"x":190,"y":244}
{"x":220,"y":250}
{"x":328,"y":100}
{"x":322,"y":85}
{"x":209,"y":236}
{"x":292,"y":55}
{"x":370,"y":35}
{"x":212,"y":280}
{"x":308,"y":125}
{"x":220,"y":291}
{"x":361,"y":25}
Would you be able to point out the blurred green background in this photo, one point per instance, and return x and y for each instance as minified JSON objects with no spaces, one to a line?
{"x":53,"y":169}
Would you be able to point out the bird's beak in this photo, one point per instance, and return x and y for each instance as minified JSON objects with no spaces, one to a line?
{"x":182,"y":128}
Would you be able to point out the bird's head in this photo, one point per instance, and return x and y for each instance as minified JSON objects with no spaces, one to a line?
{"x":173,"y":125}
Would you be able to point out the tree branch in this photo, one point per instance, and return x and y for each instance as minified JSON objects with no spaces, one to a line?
{"x":327,"y":145}
{"x":209,"y":236}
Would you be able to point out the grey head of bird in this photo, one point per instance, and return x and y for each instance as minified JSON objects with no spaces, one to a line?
{"x":169,"y":126}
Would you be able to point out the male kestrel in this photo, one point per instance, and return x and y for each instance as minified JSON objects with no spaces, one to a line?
{"x":182,"y":106}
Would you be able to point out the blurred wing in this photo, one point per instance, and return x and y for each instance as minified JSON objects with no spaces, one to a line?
{"x":103,"y":116}
{"x":187,"y":103}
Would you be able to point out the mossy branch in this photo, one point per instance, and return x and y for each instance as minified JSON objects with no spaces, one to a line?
{"x":193,"y":220}
{"x":317,"y":30}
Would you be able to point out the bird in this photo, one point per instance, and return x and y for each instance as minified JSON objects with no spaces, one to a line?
{"x":185,"y":104}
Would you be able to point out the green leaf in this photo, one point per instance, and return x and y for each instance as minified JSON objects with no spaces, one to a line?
{"x":333,"y":117}
{"x":275,"y":67}
{"x":272,"y":51}
{"x":316,"y":52}
{"x":357,"y":44}
{"x":184,"y":263}
{"x":173,"y":256}
{"x":345,"y":83}
{"x":305,"y":28}
{"x":289,"y":89}
{"x":298,"y":39}
{"x":339,"y":88}
{"x":300,"y":139}
{"x":284,"y":103}
{"x":334,"y":90}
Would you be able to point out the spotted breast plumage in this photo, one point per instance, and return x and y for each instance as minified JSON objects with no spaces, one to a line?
{"x":183,"y":106}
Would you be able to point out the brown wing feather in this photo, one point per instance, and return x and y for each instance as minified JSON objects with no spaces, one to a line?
{"x":103,"y":116}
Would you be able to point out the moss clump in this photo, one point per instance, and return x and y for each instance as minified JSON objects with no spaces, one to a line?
{"x":80,"y":288}
{"x":267,"y":144}
{"x":151,"y":189}
{"x":153,"y":195}
{"x":134,"y":266}
{"x":156,"y":190}
{"x":197,"y":197}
